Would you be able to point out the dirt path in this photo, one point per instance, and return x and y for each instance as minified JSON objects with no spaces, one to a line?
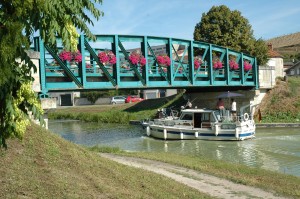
{"x":208,"y":184}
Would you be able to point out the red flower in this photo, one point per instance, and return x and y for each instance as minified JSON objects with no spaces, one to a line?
{"x":217,"y":64}
{"x":163,"y":60}
{"x":107,"y":57}
{"x":65,"y":55}
{"x":197,"y":62}
{"x":77,"y":57}
{"x":69,"y":56}
{"x":247,"y":66}
{"x":233,"y":65}
{"x":136,"y":58}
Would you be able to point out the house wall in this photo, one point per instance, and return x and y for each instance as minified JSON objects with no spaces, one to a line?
{"x":278,"y":64}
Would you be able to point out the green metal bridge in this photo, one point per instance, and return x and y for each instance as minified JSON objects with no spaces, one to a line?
{"x":192,"y":64}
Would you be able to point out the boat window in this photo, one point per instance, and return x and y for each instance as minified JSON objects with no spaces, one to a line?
{"x":205,"y":117}
{"x":212,"y":118}
{"x":187,"y":116}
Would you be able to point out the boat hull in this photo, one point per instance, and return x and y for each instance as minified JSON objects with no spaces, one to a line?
{"x":169,"y":133}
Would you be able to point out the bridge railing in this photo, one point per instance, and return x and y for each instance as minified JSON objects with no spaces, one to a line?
{"x":192,"y":64}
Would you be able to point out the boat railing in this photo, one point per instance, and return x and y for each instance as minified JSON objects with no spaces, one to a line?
{"x":238,"y":118}
{"x":172,"y":122}
{"x":168,"y":112}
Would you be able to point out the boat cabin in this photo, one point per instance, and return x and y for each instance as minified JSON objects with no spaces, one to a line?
{"x":198,"y":118}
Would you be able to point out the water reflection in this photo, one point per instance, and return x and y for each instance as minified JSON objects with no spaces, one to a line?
{"x":274,"y":149}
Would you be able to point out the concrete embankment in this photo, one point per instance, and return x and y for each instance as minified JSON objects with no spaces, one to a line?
{"x":266,"y":125}
{"x":258,"y":125}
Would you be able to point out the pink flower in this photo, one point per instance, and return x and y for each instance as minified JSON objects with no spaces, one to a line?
{"x":247,"y":66}
{"x":233,"y":65}
{"x":77,"y":57}
{"x":163,"y":60}
{"x":217,"y":64}
{"x":197,"y":62}
{"x":68,"y":56}
{"x":65,"y":55}
{"x":137,"y":59}
{"x":107,"y":57}
{"x":143,"y":61}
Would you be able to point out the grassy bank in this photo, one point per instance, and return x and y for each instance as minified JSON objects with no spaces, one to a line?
{"x":282,"y":103}
{"x":284,"y":185}
{"x":120,"y":113}
{"x":44,"y":165}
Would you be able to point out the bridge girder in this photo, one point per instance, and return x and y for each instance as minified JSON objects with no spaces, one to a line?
{"x":183,"y":72}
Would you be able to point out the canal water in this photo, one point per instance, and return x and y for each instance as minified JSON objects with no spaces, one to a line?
{"x":276,"y":149}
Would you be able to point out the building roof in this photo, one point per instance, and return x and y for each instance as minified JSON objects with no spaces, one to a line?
{"x":272,"y":53}
{"x":296,"y":64}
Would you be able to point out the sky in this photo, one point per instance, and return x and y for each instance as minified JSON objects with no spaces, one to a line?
{"x":177,"y":18}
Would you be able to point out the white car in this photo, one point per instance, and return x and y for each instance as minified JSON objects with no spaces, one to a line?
{"x":118,"y":100}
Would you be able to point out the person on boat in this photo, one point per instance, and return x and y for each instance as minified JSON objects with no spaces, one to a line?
{"x":233,"y":109}
{"x":188,"y":104}
{"x":220,"y":107}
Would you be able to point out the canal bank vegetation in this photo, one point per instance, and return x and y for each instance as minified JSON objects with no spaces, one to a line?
{"x":282,"y":103}
{"x":283,"y":185}
{"x":118,"y":113}
{"x":43,"y":165}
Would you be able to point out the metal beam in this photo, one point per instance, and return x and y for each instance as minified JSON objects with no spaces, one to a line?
{"x":95,"y":57}
{"x":64,"y":67}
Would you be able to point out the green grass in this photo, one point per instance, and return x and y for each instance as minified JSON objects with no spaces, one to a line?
{"x":284,"y":185}
{"x":120,"y":114}
{"x":43,"y":165}
{"x":282,"y":103}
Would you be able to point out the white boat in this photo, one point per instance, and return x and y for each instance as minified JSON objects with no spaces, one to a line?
{"x":203,"y":124}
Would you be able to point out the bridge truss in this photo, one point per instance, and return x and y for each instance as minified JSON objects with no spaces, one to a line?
{"x":183,"y":72}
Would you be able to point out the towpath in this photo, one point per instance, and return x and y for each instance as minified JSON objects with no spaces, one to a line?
{"x":211,"y":185}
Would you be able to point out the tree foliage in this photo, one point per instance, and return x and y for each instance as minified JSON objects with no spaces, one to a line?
{"x":230,"y":29}
{"x":19,"y":20}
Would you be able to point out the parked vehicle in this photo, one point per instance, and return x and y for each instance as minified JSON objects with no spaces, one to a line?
{"x":118,"y":100}
{"x":133,"y":98}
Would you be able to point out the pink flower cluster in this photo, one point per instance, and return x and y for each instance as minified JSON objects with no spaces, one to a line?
{"x":197,"y":62}
{"x":136,"y":58}
{"x":163,"y":60}
{"x":247,"y":66}
{"x":217,"y":64}
{"x":107,"y":57}
{"x":77,"y":57}
{"x":65,"y":55}
{"x":233,"y":65}
{"x":69,"y":56}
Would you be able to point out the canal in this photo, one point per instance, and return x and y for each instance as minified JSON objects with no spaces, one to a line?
{"x":275,"y":149}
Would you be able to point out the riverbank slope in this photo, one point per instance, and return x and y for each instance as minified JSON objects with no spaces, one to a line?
{"x":43,"y":165}
{"x":282,"y":103}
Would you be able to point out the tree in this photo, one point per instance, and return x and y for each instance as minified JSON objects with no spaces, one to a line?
{"x":230,"y":29}
{"x":19,"y":20}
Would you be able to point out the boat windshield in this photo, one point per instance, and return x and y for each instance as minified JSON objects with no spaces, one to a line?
{"x":186,"y":116}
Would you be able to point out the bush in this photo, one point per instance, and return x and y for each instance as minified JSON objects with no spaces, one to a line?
{"x":92,"y":96}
